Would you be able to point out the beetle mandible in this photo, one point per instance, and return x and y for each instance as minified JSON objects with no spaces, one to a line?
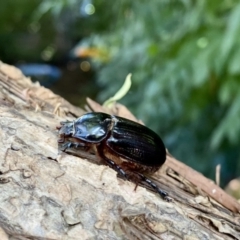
{"x":128,"y":147}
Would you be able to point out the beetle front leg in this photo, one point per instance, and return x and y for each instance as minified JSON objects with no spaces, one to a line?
{"x":67,"y":145}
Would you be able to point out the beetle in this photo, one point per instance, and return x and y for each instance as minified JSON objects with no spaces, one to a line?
{"x":128,"y":147}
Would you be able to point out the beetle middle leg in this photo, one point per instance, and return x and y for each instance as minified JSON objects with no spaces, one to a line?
{"x":117,"y":168}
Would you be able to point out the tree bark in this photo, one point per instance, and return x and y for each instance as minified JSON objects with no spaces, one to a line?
{"x":48,"y":194}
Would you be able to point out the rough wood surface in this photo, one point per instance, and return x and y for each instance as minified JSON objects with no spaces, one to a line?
{"x":47,"y":194}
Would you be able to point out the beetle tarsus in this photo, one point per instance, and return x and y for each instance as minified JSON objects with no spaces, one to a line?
{"x":162,"y":193}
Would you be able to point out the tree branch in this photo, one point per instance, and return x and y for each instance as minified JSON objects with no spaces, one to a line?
{"x":48,"y":194}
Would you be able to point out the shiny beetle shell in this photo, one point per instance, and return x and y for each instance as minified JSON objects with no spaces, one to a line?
{"x":121,"y":136}
{"x":126,"y":146}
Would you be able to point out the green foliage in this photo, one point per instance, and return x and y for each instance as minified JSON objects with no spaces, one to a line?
{"x":23,"y":36}
{"x":184,"y":56}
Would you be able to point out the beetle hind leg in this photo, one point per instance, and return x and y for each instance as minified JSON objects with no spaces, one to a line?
{"x":161,"y":192}
{"x":136,"y":178}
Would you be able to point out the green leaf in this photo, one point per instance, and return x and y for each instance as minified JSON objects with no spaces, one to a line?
{"x":228,"y":90}
{"x":232,"y":32}
{"x":120,"y":93}
{"x":229,"y":126}
{"x":234,"y":63}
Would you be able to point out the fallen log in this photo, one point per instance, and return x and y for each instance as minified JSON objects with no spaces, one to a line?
{"x":48,"y":194}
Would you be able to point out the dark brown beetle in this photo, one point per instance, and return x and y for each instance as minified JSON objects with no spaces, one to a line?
{"x":126,"y":146}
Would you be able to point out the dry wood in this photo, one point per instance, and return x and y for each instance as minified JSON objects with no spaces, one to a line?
{"x":47,"y":194}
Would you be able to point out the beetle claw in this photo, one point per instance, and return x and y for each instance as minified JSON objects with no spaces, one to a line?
{"x":168,"y":199}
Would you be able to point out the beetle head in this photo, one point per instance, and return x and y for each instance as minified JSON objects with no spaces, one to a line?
{"x":66,"y":129}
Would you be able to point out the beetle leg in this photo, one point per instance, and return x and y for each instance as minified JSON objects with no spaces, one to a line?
{"x":66,"y":145}
{"x":136,"y":187}
{"x":162,"y":193}
{"x":117,"y":168}
{"x":71,"y":145}
{"x":65,"y":122}
{"x":139,"y":177}
{"x":61,"y":139}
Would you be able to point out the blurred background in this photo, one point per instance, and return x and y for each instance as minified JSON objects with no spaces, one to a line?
{"x":184,"y":56}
